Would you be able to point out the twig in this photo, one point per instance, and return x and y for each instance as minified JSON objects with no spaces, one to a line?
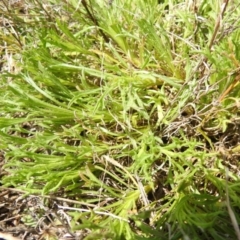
{"x":11,"y":218}
{"x":218,"y":23}
{"x":97,"y":212}
{"x":50,"y":197}
{"x":94,"y":20}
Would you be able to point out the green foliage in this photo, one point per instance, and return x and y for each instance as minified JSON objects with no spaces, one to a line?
{"x":131,"y":107}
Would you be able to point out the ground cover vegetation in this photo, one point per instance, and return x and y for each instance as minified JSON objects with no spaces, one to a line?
{"x":125,"y":114}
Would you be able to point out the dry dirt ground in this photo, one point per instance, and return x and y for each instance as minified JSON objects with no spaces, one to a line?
{"x":34,"y":217}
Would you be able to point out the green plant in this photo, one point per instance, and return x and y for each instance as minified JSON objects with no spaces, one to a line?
{"x":132,"y":109}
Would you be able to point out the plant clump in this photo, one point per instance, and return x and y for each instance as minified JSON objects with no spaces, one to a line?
{"x":129,"y":111}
